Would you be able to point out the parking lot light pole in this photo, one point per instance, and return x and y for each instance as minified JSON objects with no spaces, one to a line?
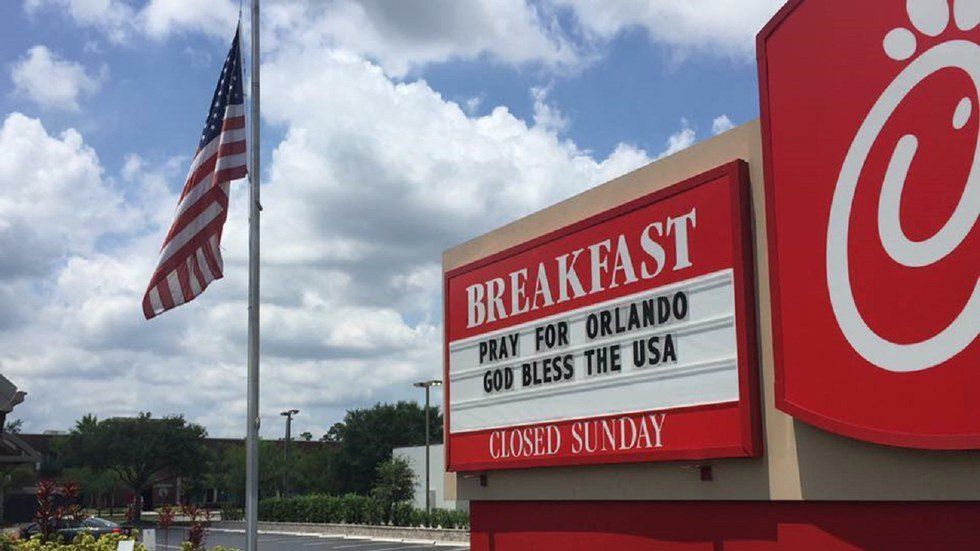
{"x":288,"y":414}
{"x":427,"y":385}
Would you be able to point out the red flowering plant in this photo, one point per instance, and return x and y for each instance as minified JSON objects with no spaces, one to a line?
{"x":200,"y":520}
{"x":56,"y":505}
{"x":132,"y":511}
{"x":165,"y":519}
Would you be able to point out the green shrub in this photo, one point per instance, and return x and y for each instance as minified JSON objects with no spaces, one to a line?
{"x":231,"y":511}
{"x":356,"y":509}
{"x":423,"y":518}
{"x":353,"y":509}
{"x":83,"y":542}
{"x":404,"y":514}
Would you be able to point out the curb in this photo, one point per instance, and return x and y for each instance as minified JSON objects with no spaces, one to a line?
{"x":429,"y":536}
{"x":348,"y":538}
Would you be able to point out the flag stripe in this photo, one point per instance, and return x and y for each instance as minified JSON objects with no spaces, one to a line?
{"x":230,"y":171}
{"x":197,"y":279}
{"x":202,"y":266}
{"x":201,"y":240}
{"x":165,"y":296}
{"x":185,"y":281}
{"x":235,"y":110}
{"x":213,"y":198}
{"x":175,"y":292}
{"x":209,"y":212}
{"x":212,"y":261}
{"x":211,"y":148}
{"x":206,"y":166}
{"x":232,"y":123}
{"x":153,"y":301}
{"x":216,"y":252}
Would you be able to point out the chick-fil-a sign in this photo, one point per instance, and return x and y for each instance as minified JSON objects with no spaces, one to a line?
{"x":628,"y":336}
{"x":873,"y":195}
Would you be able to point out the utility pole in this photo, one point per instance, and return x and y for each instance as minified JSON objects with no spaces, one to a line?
{"x":288,"y":414}
{"x":427,"y":385}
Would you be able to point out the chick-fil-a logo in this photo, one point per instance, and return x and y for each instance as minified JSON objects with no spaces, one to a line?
{"x":932,"y":18}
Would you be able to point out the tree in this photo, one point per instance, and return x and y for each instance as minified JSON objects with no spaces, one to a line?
{"x":140,"y":450}
{"x":334,"y":433}
{"x":367,"y":436}
{"x":313,"y":472}
{"x":306,"y":436}
{"x":270,"y":468}
{"x":14,"y":427}
{"x":395,"y":483}
{"x":97,"y":486}
{"x":226,"y":472}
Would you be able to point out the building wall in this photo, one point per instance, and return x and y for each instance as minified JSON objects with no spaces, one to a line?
{"x":799,"y":462}
{"x":437,"y":476}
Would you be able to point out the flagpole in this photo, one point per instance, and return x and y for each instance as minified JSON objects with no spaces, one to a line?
{"x":252,"y":422}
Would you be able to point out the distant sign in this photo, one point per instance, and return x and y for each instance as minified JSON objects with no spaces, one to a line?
{"x":628,"y":336}
{"x":873,"y":193}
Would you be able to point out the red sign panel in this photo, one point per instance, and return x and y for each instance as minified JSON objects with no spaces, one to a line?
{"x":625,"y":337}
{"x":873,"y":193}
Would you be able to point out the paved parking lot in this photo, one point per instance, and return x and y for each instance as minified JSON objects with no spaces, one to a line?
{"x":281,"y":542}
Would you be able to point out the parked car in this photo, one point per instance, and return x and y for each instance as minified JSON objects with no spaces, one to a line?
{"x":92,"y":525}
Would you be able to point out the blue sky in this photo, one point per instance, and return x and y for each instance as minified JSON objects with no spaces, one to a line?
{"x":157,"y":90}
{"x":387,"y":137}
{"x":636,"y":93}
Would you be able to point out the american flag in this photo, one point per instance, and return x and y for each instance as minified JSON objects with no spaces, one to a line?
{"x":190,"y":258}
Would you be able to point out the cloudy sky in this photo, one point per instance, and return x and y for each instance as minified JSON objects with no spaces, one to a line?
{"x":391,"y":131}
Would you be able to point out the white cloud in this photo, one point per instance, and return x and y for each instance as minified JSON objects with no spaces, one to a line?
{"x":680,"y":140}
{"x":687,"y":136}
{"x":69,"y":320}
{"x":401,"y":36}
{"x":369,"y":184}
{"x":53,"y":199}
{"x":472,"y":104}
{"x":113,"y":16}
{"x":721,"y":124}
{"x":56,"y":205}
{"x":121,"y":21}
{"x":398,"y":166}
{"x":409,"y":34}
{"x":724,"y":27}
{"x":547,"y":115}
{"x":132,"y":167}
{"x":52,"y":82}
{"x":160,"y":18}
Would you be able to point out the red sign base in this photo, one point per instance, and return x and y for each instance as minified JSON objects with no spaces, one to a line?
{"x":733,"y":526}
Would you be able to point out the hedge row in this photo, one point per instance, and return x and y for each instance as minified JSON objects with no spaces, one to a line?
{"x":356,"y":509}
{"x":84,"y":542}
{"x":230,"y":511}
